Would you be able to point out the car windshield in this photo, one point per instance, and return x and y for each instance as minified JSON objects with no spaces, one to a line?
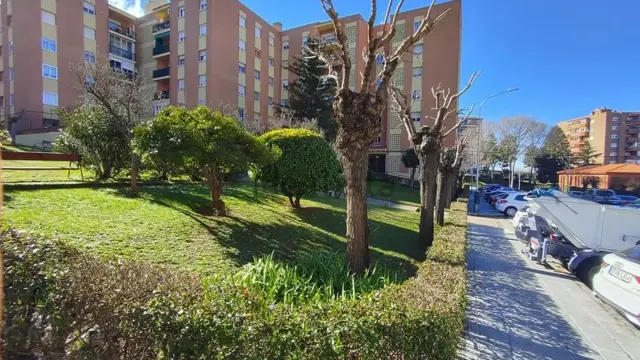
{"x":605,"y":193}
{"x":632,"y":253}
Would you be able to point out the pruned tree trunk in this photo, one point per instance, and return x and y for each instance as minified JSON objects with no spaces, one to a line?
{"x":429,"y":157}
{"x":413,"y":177}
{"x":291,"y":201}
{"x":444,"y":188}
{"x":134,"y":174}
{"x":296,"y":202}
{"x":215,"y":182}
{"x":355,"y":168}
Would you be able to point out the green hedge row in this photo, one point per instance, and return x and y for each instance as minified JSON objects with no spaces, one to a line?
{"x":65,"y":304}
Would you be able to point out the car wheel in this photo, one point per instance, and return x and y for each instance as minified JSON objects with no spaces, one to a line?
{"x":588,"y":269}
{"x":510,"y":211}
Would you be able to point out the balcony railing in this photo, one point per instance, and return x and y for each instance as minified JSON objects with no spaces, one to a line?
{"x":163,"y":95}
{"x":160,"y":73}
{"x":121,"y":52}
{"x":130,"y":33}
{"x":161,"y":26}
{"x":160,"y":49}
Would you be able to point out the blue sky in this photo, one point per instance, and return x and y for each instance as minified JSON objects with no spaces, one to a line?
{"x":566,"y":56}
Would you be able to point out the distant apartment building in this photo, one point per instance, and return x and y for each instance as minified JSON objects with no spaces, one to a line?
{"x":207,"y":52}
{"x":613,"y":134}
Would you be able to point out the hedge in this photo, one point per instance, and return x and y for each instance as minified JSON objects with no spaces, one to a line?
{"x":63,"y":303}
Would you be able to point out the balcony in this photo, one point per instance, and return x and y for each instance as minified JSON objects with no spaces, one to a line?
{"x":129,"y":33}
{"x":161,"y":74}
{"x":121,"y":52}
{"x":161,"y":27}
{"x":160,"y":50}
{"x":162,"y":95}
{"x":325,"y":26}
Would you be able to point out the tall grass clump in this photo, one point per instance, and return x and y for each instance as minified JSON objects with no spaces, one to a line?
{"x":314,"y":278}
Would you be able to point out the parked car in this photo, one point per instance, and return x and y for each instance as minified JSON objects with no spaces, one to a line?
{"x":622,"y":200}
{"x":600,"y":196}
{"x":635,"y":204}
{"x":511,"y":203}
{"x":589,"y":194}
{"x":495,"y":191}
{"x":618,"y":282}
{"x":495,"y":198}
{"x":576,"y":194}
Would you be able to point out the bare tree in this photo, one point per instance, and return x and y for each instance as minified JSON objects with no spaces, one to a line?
{"x":121,"y":94}
{"x":427,"y":142}
{"x":450,"y":162}
{"x":358,"y":113}
{"x":522,"y":132}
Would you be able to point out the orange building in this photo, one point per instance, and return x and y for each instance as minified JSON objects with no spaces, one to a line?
{"x":614,"y":176}
{"x":205,"y":52}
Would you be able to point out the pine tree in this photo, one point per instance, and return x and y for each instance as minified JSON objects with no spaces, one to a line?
{"x":586,"y":155}
{"x":311,"y":93}
{"x":490,"y":150}
{"x":555,"y":156}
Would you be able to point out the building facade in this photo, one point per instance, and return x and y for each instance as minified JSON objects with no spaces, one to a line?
{"x":207,"y":52}
{"x":613,"y":134}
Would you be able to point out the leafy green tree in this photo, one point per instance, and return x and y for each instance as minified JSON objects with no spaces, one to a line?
{"x":94,"y":133}
{"x":531,"y":154}
{"x":490,"y":151}
{"x":310,"y":95}
{"x":586,"y":155}
{"x":305,"y":163}
{"x":204,"y":141}
{"x":410,"y":161}
{"x":555,"y":156}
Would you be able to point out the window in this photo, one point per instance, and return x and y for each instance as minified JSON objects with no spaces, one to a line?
{"x":242,"y":45}
{"x":243,"y":22}
{"x":89,"y":8}
{"x":203,"y":29}
{"x":416,"y":25}
{"x":285,"y":102}
{"x":181,"y":12}
{"x":48,"y":17}
{"x":615,"y":127}
{"x":258,"y":32}
{"x":305,"y":40}
{"x":181,"y":60}
{"x":242,"y":68}
{"x":49,"y":98}
{"x":615,"y":118}
{"x":285,"y":45}
{"x":49,"y":71}
{"x":203,"y":4}
{"x":415,"y":116}
{"x":271,"y":41}
{"x":181,"y":84}
{"x":201,"y":102}
{"x":10,"y":74}
{"x":49,"y":44}
{"x":241,"y":90}
{"x":256,"y":74}
{"x":417,"y":94}
{"x":89,"y":33}
{"x":380,"y":58}
{"x":258,"y":54}
{"x":614,"y":145}
{"x":203,"y":55}
{"x":241,"y":113}
{"x":202,"y":80}
{"x":90,"y":57}
{"x":285,"y":64}
{"x":11,"y":99}
{"x":270,"y":100}
{"x":612,"y":162}
{"x":614,"y":153}
{"x":417,"y":72}
{"x":181,"y":36}
{"x":271,"y":61}
{"x":378,"y":140}
{"x":285,"y":84}
{"x":270,"y":81}
{"x":418,"y":49}
{"x":614,"y":136}
{"x":256,"y":95}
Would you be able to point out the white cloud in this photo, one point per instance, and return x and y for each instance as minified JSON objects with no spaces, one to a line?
{"x":133,"y":7}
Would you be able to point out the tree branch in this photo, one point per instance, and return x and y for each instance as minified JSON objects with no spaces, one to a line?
{"x":328,"y":7}
{"x":403,"y":108}
{"x":464,"y":119}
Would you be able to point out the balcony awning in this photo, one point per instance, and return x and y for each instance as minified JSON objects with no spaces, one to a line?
{"x":163,"y":35}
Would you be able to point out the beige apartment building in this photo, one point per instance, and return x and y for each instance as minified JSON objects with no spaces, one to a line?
{"x":205,"y":52}
{"x":613,"y":134}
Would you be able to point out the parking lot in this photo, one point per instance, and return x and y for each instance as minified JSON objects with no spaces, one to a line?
{"x":521,"y":310}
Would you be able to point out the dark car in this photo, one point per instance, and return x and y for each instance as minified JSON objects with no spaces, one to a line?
{"x":622,"y":200}
{"x":603,"y":196}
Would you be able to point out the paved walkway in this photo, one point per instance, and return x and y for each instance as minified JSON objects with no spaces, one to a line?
{"x":520,"y":310}
{"x":391,"y":204}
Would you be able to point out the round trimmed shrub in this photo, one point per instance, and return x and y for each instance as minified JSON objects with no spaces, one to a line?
{"x":306,"y":163}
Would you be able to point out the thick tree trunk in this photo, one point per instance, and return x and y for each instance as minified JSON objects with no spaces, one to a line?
{"x":413,"y":177}
{"x":215,"y":182}
{"x":428,"y":185}
{"x":444,"y":188}
{"x":355,"y":171}
{"x":291,"y":202}
{"x":296,"y":202}
{"x":134,"y":174}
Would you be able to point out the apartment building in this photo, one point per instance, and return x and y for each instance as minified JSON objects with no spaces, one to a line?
{"x":213,"y":52}
{"x":36,"y":57}
{"x":613,"y":134}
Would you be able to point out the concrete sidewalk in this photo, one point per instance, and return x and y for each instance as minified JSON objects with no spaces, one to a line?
{"x":521,"y":310}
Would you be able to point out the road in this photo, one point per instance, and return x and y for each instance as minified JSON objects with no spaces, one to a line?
{"x":521,"y":310}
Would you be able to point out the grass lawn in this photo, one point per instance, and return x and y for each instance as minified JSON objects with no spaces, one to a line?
{"x":164,"y":225}
{"x":393,"y":192}
{"x":24,"y":176}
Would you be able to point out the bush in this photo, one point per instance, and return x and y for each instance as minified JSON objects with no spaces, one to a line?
{"x":98,"y":137}
{"x":306,"y":163}
{"x":5,"y":137}
{"x":63,"y":303}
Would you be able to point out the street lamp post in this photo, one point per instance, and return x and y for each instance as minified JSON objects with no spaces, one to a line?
{"x":479,"y":131}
